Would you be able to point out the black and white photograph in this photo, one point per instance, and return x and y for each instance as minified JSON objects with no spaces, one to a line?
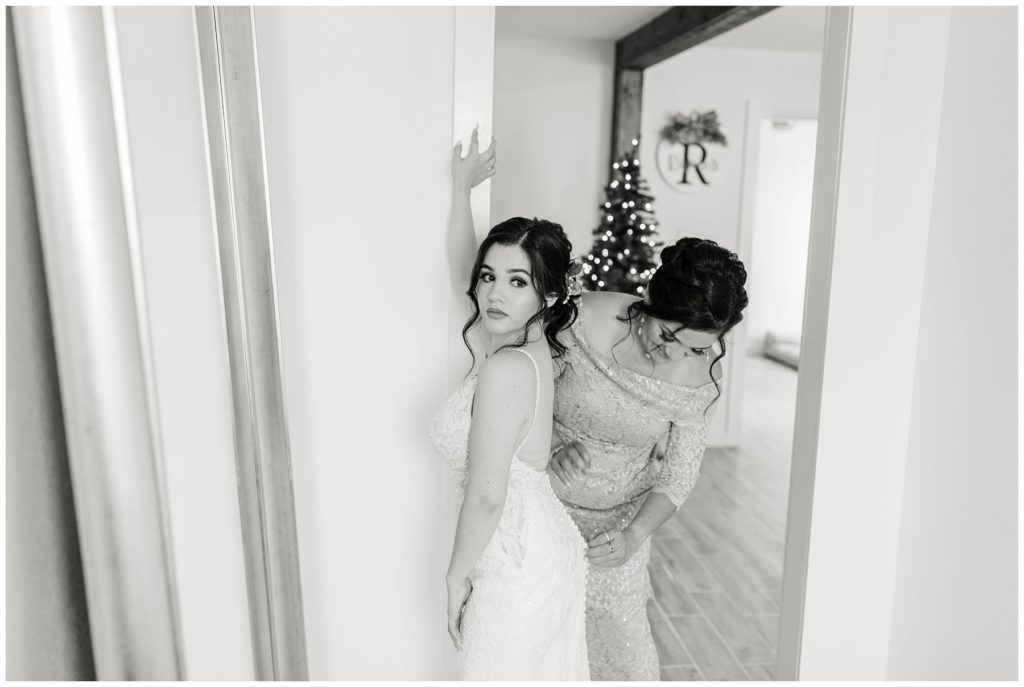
{"x":515,"y":342}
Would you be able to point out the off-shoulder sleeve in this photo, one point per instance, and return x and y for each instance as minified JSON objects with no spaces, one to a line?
{"x":683,"y":455}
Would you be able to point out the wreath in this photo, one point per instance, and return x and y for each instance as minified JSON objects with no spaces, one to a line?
{"x":697,"y":127}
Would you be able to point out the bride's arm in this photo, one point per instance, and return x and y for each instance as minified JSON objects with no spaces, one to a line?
{"x":501,"y":408}
{"x":467,"y":172}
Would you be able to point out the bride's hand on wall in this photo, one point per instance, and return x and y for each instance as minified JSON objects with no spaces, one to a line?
{"x":467,"y":172}
{"x":477,"y":166}
{"x":458,"y":595}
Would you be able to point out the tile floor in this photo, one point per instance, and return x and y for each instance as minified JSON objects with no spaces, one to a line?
{"x":716,"y":567}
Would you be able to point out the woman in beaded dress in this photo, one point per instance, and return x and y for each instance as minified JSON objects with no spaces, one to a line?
{"x":633,"y":396}
{"x":632,"y":402}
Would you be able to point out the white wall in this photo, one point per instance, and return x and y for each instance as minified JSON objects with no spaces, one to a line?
{"x":358,"y":113}
{"x":744,"y":86}
{"x":911,"y":549}
{"x":955,"y":609}
{"x":893,"y":94}
{"x":780,"y":223}
{"x":170,"y":173}
{"x":552,"y":119}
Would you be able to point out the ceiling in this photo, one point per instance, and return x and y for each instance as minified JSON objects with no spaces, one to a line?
{"x":785,"y":28}
{"x":603,"y":23}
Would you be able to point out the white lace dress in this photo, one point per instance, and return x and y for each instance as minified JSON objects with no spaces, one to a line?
{"x":525,"y":617}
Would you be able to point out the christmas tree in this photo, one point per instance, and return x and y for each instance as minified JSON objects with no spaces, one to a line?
{"x":623,"y":255}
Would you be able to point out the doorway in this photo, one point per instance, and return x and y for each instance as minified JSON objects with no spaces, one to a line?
{"x":716,"y":567}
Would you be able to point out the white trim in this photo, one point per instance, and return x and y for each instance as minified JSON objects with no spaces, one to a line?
{"x":735,"y":361}
{"x":472,"y":105}
{"x":828,"y":151}
{"x":226,"y":38}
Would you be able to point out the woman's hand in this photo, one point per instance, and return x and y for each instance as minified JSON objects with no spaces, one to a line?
{"x":612,"y":548}
{"x":570,"y":462}
{"x":458,"y":594}
{"x":471,"y":170}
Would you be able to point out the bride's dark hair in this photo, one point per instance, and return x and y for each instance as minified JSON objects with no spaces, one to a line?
{"x":550,"y":255}
{"x":700,"y":285}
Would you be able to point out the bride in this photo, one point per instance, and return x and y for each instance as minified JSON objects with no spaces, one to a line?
{"x":517,"y":577}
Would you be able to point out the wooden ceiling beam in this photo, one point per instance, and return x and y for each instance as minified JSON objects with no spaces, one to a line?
{"x":677,"y":29}
{"x":668,"y":34}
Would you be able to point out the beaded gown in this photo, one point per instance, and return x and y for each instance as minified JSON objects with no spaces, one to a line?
{"x":524,"y":619}
{"x":619,"y":415}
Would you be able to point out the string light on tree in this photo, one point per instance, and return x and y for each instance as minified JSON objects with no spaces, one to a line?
{"x":626,"y":232}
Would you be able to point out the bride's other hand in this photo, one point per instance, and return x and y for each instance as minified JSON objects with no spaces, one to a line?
{"x":570,"y":462}
{"x":476,"y":166}
{"x":458,"y":594}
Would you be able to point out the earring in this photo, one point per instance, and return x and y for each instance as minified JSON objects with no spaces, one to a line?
{"x":640,"y":328}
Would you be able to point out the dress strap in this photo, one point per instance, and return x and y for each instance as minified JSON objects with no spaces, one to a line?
{"x":536,"y":397}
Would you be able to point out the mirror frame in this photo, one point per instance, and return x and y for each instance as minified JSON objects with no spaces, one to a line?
{"x":234,"y":123}
{"x":75,"y":118}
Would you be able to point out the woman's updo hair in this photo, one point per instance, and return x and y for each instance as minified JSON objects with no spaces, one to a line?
{"x":700,"y":285}
{"x":550,"y":254}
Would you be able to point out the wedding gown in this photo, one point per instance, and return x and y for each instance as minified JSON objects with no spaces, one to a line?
{"x":524,"y":619}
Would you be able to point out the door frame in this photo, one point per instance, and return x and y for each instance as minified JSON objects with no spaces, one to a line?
{"x":667,"y":35}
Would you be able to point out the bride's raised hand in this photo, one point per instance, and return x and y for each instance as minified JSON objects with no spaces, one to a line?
{"x":476,"y":166}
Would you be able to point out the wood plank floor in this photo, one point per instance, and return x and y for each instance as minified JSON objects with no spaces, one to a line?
{"x":716,"y":567}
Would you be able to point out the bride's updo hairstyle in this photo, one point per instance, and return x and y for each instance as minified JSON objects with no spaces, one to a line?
{"x":700,"y":285}
{"x":550,"y":255}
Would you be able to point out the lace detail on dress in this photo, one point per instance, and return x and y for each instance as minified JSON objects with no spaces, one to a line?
{"x":525,"y":617}
{"x":449,"y":431}
{"x":681,"y":466}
